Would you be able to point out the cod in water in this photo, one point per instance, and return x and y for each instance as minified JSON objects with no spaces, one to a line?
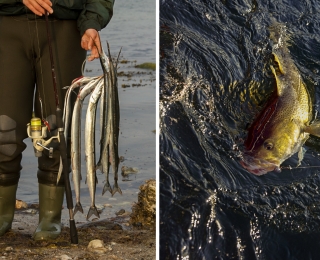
{"x":283,"y":126}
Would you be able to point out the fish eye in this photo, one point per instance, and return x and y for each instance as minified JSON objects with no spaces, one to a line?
{"x":268,"y":145}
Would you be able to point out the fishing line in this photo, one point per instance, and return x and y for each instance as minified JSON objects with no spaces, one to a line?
{"x":42,"y":82}
{"x":83,"y":66}
{"x":302,"y":167}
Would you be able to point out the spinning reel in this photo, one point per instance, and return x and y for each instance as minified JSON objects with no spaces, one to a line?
{"x":37,"y":132}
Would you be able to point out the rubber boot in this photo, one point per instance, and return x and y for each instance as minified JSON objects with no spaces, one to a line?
{"x":7,"y":206}
{"x":50,"y":206}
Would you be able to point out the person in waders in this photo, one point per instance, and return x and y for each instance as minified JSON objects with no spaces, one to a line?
{"x":24,"y":68}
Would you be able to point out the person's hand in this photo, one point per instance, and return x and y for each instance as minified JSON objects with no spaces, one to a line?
{"x":91,"y":41}
{"x":39,"y":7}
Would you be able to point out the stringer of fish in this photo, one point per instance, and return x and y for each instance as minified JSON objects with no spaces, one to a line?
{"x":105,"y":88}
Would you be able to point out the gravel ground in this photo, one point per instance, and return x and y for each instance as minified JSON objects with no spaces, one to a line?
{"x":130,"y":235}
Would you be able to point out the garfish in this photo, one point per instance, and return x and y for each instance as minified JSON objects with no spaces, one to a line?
{"x":104,"y":164}
{"x":111,"y":119}
{"x":76,"y":138}
{"x":113,"y":122}
{"x":283,"y":126}
{"x":78,"y":82}
{"x":90,"y":148}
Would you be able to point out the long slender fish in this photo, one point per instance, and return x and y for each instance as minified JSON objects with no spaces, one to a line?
{"x":76,"y":139}
{"x":110,"y":130}
{"x":114,"y":120}
{"x":90,"y":148}
{"x":78,"y":82}
{"x":104,"y":163}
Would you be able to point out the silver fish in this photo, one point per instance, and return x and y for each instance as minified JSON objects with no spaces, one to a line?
{"x":114,"y":121}
{"x":76,"y":139}
{"x":90,"y":148}
{"x":110,"y":129}
{"x":78,"y":82}
{"x":104,"y":163}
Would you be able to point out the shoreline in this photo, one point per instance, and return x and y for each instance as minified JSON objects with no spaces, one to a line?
{"x":119,"y":242}
{"x":128,"y":235}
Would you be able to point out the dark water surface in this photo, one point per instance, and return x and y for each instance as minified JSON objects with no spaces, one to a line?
{"x":215,"y":77}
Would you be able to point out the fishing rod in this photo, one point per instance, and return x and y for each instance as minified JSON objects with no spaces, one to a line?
{"x":62,"y":145}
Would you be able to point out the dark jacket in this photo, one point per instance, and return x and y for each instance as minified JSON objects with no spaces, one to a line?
{"x":94,"y":14}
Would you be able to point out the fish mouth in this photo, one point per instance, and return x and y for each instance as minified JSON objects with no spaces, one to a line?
{"x":259,"y":166}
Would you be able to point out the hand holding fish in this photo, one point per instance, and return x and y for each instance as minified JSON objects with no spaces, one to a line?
{"x":91,"y":41}
{"x":39,"y":7}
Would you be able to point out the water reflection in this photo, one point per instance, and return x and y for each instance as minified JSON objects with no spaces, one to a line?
{"x":214,"y":78}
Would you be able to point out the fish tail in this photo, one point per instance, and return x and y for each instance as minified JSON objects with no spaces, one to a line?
{"x":279,"y":36}
{"x":276,"y":30}
{"x":116,"y":189}
{"x":78,"y":207}
{"x":107,"y":187}
{"x":93,"y":211}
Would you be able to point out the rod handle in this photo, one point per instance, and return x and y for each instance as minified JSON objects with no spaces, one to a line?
{"x":73,"y":232}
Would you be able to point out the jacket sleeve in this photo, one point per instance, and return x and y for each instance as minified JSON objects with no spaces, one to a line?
{"x":95,"y":15}
{"x":9,"y":2}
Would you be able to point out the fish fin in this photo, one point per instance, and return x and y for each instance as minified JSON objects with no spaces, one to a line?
{"x":313,"y":129}
{"x":301,"y":154}
{"x":99,"y":166}
{"x":116,"y":189}
{"x":93,"y":211}
{"x":78,"y":207}
{"x":277,"y":61}
{"x":107,"y":187}
{"x":278,"y":84}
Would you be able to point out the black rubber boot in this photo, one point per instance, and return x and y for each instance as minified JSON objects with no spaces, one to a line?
{"x":7,"y":206}
{"x":50,"y":206}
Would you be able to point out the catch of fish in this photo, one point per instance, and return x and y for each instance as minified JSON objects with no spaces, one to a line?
{"x":283,"y":126}
{"x":105,"y":89}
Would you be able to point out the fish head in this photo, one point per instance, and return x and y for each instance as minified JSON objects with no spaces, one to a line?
{"x":266,"y":151}
{"x":259,"y":164}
